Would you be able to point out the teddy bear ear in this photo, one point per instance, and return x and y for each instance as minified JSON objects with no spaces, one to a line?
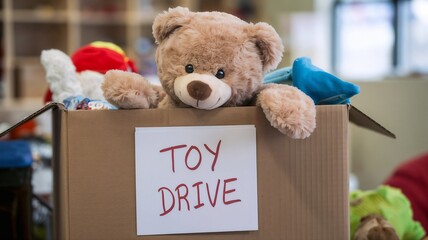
{"x":169,"y":21}
{"x":269,"y":43}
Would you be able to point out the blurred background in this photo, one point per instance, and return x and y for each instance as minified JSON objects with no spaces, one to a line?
{"x":380,"y":45}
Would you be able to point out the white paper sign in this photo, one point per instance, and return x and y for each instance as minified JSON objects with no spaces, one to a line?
{"x":196,"y":179}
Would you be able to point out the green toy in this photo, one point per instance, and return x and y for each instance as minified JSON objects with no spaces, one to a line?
{"x":390,"y":204}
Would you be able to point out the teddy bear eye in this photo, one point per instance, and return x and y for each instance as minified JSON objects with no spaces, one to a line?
{"x":189,"y":68}
{"x":219,"y":74}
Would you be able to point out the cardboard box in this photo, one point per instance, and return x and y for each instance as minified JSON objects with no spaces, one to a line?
{"x":302,"y":184}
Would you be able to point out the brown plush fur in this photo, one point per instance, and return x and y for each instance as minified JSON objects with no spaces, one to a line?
{"x":132,"y":92}
{"x":374,"y":227}
{"x":291,"y":112}
{"x":212,"y":41}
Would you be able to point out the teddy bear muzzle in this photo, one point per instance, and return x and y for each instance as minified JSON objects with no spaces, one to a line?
{"x":202,"y":91}
{"x":199,"y":90}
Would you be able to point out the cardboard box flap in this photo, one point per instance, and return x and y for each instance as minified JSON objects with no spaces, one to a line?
{"x":44,"y":109}
{"x":361,"y":119}
{"x":355,"y":115}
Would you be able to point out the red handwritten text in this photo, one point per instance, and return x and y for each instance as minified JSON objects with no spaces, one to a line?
{"x":192,"y":151}
{"x":180,"y":198}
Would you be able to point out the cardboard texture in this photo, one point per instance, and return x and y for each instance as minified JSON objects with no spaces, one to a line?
{"x":302,"y":184}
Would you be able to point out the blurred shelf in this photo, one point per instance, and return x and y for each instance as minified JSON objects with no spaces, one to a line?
{"x":22,"y":104}
{"x":39,"y":16}
{"x":28,"y":27}
{"x":146,"y":16}
{"x":103,"y":18}
{"x":27,"y":60}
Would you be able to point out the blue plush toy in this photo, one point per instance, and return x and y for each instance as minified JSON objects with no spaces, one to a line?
{"x":322,"y":87}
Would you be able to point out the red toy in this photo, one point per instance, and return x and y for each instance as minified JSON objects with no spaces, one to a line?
{"x":98,"y":57}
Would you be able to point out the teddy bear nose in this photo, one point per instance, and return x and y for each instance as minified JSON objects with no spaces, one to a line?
{"x":199,"y":90}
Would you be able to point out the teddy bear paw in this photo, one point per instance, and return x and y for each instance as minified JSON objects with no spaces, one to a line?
{"x":129,"y":90}
{"x":289,"y":110}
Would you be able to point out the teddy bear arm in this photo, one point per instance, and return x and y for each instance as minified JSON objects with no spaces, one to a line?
{"x":288,"y":109}
{"x":129,"y":90}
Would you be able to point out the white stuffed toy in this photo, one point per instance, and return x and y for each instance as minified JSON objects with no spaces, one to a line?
{"x":65,"y":82}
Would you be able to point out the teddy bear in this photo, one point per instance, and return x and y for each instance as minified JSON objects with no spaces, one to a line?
{"x":208,"y":60}
{"x":375,"y":227}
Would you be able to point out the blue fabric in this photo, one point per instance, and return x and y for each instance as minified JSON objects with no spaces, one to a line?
{"x":14,"y":154}
{"x":322,"y":87}
{"x":282,"y":75}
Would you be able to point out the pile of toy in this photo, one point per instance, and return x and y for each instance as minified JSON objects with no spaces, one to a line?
{"x":202,"y":64}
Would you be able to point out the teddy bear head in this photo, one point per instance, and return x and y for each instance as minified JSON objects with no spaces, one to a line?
{"x":211,"y":59}
{"x":375,"y":227}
